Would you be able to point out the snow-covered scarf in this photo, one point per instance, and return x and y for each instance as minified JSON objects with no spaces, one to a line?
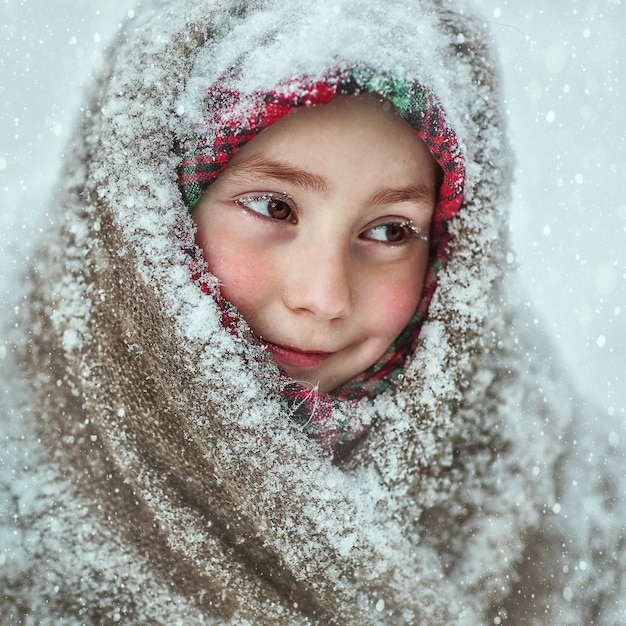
{"x":152,"y":474}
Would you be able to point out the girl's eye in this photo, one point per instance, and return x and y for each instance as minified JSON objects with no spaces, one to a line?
{"x":395,"y":232}
{"x":269,"y":205}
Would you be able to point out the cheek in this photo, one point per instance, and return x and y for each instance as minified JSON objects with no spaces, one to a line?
{"x":243,"y":277}
{"x":244,"y":272}
{"x":390,"y":305}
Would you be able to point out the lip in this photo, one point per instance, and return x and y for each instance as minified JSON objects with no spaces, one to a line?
{"x":288,"y":356}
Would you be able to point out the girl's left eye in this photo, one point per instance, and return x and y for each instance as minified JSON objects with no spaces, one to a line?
{"x":394,"y":232}
{"x":277,"y":207}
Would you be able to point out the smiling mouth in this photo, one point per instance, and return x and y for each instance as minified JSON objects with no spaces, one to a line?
{"x":287,"y":356}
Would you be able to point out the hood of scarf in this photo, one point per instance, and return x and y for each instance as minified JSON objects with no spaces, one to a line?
{"x":165,"y":430}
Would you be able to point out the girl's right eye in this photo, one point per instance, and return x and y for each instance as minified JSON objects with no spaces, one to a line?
{"x":277,"y":207}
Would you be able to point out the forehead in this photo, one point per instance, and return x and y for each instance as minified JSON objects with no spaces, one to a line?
{"x":357,"y":151}
{"x":369,"y":113}
{"x":361,"y":131}
{"x":233,"y":119}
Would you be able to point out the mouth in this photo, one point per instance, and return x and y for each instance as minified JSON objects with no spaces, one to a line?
{"x":288,"y":356}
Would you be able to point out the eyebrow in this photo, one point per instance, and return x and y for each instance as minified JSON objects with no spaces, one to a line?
{"x":419,"y":194}
{"x":265,"y":167}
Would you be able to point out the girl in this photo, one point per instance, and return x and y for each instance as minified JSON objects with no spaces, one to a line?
{"x":279,"y":371}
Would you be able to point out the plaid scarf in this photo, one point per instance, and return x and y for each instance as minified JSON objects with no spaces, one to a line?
{"x":203,"y":158}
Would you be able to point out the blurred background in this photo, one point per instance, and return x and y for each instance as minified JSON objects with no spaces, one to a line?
{"x":563,"y":66}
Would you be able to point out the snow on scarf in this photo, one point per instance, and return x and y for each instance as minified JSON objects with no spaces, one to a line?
{"x":152,"y":473}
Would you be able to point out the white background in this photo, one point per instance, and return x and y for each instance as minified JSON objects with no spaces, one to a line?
{"x":564,"y":70}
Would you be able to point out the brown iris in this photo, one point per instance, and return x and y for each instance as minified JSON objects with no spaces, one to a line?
{"x":395,"y":232}
{"x":278,"y":209}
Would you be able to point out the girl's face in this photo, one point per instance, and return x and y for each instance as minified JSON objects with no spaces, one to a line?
{"x":317,"y":231}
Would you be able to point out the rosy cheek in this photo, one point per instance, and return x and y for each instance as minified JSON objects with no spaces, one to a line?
{"x":233,"y":261}
{"x":245,"y":277}
{"x":391,"y":305}
{"x":234,"y":273}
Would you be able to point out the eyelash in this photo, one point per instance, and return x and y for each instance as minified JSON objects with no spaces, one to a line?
{"x":411,"y":231}
{"x":247,"y":201}
{"x":407,"y":227}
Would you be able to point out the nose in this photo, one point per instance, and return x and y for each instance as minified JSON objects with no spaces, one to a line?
{"x":319,"y":280}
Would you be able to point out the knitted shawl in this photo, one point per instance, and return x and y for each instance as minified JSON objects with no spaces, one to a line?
{"x":151,"y":472}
